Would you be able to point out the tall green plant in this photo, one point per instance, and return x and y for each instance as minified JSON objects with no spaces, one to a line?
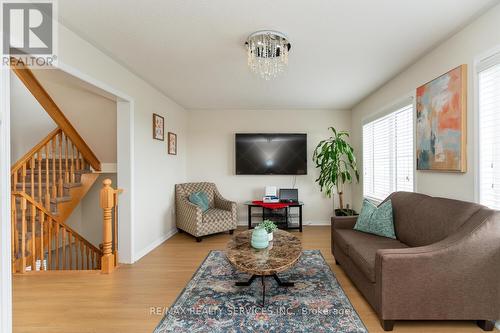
{"x":337,"y":164}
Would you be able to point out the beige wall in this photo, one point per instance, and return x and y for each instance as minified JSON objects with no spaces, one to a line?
{"x":211,"y":153}
{"x":463,"y":48}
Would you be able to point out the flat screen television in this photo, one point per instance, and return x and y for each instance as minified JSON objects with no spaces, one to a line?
{"x":271,"y":154}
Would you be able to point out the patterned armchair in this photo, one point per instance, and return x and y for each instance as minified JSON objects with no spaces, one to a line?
{"x":220,"y":216}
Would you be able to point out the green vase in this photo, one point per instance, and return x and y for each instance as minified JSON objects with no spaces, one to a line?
{"x":260,"y":239}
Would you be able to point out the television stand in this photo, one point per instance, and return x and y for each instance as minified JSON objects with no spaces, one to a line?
{"x":282,"y":215}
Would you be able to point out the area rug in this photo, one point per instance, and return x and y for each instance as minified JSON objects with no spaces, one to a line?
{"x":212,"y":303}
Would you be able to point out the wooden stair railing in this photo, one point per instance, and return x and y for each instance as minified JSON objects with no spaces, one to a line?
{"x":41,"y":243}
{"x":49,"y":170}
{"x":26,"y":76}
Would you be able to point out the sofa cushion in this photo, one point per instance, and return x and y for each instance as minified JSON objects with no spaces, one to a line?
{"x":362,"y":248}
{"x":216,"y":215}
{"x":376,"y":220}
{"x":423,"y":220}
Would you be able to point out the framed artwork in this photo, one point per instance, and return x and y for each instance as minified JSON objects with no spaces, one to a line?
{"x":442,"y":122}
{"x":158,"y":127}
{"x":172,"y":143}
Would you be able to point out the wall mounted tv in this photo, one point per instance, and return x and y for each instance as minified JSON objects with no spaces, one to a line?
{"x":271,"y":154}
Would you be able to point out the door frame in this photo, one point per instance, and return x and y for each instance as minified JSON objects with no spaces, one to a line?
{"x":125,"y":160}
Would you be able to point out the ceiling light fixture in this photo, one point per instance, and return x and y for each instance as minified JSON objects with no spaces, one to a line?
{"x":267,"y":53}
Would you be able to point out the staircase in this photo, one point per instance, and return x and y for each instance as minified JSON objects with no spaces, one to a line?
{"x":48,"y":183}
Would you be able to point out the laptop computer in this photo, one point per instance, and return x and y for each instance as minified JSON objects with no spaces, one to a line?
{"x":290,"y":195}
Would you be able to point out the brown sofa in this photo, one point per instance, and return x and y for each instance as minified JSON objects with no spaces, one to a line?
{"x":444,"y":265}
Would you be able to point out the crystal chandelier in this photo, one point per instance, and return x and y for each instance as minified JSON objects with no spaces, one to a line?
{"x":267,"y":53}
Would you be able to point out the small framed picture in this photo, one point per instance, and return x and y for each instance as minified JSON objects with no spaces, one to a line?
{"x":158,"y":127}
{"x":172,"y":143}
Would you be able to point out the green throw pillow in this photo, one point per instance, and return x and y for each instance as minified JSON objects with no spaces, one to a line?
{"x":200,"y":199}
{"x":376,"y":220}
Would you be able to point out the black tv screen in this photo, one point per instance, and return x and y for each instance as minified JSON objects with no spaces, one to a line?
{"x":271,"y":154}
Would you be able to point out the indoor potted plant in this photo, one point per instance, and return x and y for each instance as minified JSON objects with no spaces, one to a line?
{"x":270,"y":227}
{"x":334,"y":157}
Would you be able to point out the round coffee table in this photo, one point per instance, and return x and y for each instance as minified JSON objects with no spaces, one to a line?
{"x":281,"y":254}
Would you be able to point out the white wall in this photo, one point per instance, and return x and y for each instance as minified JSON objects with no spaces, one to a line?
{"x":92,"y":115}
{"x":211,"y":153}
{"x":25,"y":134}
{"x":480,"y":36}
{"x":154,"y":171}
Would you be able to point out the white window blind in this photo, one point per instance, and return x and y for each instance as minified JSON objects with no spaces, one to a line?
{"x":388,"y":154}
{"x":489,"y":135}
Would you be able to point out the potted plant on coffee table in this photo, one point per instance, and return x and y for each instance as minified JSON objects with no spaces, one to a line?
{"x":334,"y":157}
{"x":270,"y":226}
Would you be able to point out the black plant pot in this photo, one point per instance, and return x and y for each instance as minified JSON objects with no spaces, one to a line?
{"x":345,"y":212}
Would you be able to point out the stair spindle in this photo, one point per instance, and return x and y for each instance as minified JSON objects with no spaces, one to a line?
{"x":39,"y":171}
{"x":42,"y":235}
{"x":60,"y":180}
{"x":63,"y":236}
{"x":88,"y":258}
{"x":53,"y":151}
{"x":47,"y":178}
{"x":23,"y":177}
{"x":33,"y":238}
{"x":23,"y":236}
{"x":50,"y":242}
{"x":70,"y":249}
{"x":77,"y":249}
{"x":57,"y":245}
{"x":72,"y":178}
{"x":82,"y":255}
{"x":32,"y":176}
{"x":66,"y":171}
{"x":15,"y":179}
{"x":78,"y":164}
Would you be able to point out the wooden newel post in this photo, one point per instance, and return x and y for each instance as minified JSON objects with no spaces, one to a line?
{"x":107,"y":204}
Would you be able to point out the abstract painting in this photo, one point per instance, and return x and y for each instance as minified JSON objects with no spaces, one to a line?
{"x":442,"y":122}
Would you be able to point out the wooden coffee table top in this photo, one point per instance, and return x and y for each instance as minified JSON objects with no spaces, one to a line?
{"x":281,"y":254}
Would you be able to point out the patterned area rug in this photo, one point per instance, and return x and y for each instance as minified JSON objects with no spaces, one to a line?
{"x":212,"y":303}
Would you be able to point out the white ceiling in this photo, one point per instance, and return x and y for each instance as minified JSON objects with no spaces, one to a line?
{"x":342,"y":50}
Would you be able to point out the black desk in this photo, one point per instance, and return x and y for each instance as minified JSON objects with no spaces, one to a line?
{"x":287,"y":215}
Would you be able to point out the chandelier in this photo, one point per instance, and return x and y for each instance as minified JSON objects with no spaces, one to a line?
{"x":267,"y":53}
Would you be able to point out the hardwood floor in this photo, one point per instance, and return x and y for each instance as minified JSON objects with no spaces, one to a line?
{"x":69,"y":302}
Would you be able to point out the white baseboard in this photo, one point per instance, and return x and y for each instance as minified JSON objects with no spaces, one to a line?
{"x":304,"y":223}
{"x":139,"y":254}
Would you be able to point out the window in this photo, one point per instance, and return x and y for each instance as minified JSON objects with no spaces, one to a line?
{"x":388,"y":154}
{"x":489,"y":132}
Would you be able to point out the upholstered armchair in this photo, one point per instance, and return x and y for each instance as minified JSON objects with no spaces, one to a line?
{"x":221,"y":215}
